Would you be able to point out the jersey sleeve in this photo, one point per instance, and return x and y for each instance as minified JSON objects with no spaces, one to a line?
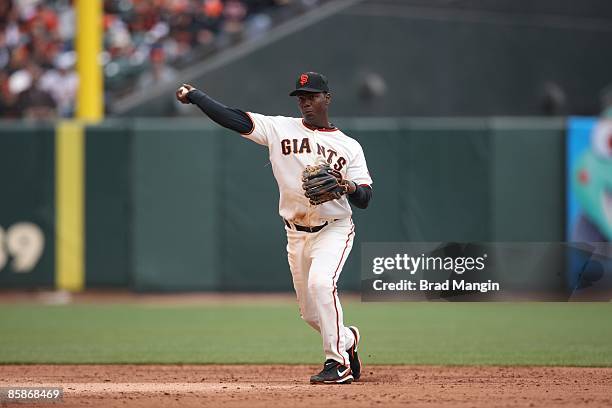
{"x":357,"y":170}
{"x":262,"y":130}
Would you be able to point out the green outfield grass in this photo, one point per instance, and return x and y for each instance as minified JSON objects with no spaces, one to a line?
{"x":576,"y":334}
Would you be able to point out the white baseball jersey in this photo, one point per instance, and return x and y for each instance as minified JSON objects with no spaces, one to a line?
{"x":293,"y":145}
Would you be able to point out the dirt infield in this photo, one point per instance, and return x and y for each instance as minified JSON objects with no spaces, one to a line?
{"x":264,"y":386}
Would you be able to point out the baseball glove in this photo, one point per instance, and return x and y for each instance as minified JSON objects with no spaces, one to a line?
{"x":322,"y":184}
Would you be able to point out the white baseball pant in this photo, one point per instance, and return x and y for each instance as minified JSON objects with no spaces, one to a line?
{"x":316,"y":261}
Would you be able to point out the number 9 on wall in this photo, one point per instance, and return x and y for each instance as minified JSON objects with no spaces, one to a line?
{"x":21,"y":246}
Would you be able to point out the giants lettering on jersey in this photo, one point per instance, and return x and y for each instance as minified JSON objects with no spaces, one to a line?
{"x":296,"y":146}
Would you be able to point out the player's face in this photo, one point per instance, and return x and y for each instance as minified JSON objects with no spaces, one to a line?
{"x":313,"y":105}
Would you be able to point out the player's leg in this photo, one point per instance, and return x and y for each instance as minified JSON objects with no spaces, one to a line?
{"x":299,"y":264}
{"x":329,"y":253}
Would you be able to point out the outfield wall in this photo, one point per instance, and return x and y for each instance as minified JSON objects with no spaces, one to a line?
{"x":183,"y":205}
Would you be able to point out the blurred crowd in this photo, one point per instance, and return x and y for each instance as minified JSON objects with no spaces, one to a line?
{"x":144,"y":43}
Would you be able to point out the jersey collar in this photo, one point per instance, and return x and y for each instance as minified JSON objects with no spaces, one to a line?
{"x":320,"y":129}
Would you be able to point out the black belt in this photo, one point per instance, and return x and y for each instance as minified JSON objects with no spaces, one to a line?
{"x":303,"y":228}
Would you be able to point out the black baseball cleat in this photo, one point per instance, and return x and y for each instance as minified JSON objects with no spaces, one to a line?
{"x":333,"y":373}
{"x":353,"y":356}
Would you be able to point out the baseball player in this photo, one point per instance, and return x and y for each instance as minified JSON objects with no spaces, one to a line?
{"x":319,"y":170}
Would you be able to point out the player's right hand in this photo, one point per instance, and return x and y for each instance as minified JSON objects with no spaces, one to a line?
{"x":181,"y":93}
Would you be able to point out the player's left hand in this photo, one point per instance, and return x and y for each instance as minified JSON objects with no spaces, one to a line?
{"x":181,"y":93}
{"x":322,"y":184}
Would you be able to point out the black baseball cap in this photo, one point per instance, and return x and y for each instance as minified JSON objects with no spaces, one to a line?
{"x":310,"y":82}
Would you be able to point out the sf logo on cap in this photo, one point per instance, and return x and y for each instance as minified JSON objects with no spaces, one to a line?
{"x":303,"y":79}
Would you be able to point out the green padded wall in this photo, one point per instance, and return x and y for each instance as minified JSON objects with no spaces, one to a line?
{"x":174,"y":227}
{"x":184,"y":205}
{"x":27,"y":194}
{"x":434,"y":179}
{"x":108,"y":208}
